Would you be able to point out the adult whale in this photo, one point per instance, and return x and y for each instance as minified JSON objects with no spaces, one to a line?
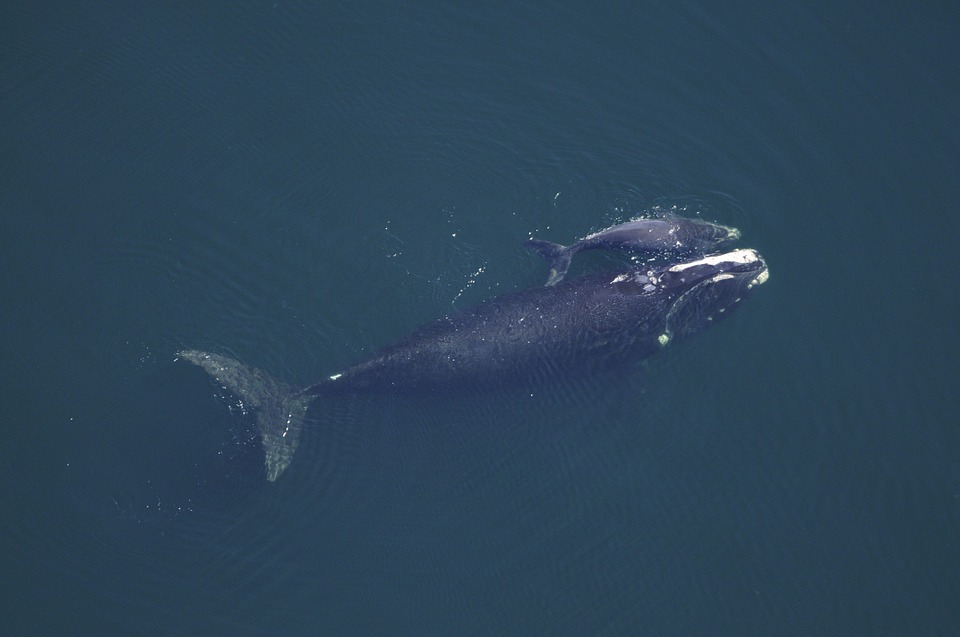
{"x":591,"y":322}
{"x":669,"y":236}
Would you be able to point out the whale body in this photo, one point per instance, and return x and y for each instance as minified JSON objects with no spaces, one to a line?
{"x":583,"y":325}
{"x":669,"y":236}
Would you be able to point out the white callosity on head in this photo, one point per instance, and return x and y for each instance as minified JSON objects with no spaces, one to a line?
{"x":761,"y":279}
{"x":636,"y":277}
{"x":737,"y":256}
{"x":648,"y":280}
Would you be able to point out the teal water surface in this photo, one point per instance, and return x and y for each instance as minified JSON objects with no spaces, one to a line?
{"x":296,"y":186}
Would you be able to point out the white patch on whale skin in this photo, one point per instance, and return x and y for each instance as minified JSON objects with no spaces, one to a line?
{"x":646,"y":279}
{"x":761,"y":279}
{"x":737,"y":256}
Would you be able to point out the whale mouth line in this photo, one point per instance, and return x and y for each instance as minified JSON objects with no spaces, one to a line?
{"x":744,"y":264}
{"x":710,"y":287}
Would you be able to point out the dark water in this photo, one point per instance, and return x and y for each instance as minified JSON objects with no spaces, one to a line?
{"x":297,"y":186}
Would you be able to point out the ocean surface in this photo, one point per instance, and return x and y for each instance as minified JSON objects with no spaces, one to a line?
{"x":298,"y":184}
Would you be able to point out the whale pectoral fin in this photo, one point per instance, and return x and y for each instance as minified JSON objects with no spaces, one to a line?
{"x":278,"y":412}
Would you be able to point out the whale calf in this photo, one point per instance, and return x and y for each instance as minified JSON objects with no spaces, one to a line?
{"x":667,"y":236}
{"x":585,"y":324}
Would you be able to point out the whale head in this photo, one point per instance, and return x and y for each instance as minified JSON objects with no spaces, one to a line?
{"x":706,"y":290}
{"x":700,"y":235}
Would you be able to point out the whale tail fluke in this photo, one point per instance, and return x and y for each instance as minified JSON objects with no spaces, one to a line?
{"x":559,"y":257}
{"x":277,"y":410}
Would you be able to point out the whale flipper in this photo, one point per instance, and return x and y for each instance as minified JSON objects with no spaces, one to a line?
{"x":278,"y":411}
{"x":559,"y":257}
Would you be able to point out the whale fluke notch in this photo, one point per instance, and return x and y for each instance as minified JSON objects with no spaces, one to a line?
{"x":277,"y":410}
